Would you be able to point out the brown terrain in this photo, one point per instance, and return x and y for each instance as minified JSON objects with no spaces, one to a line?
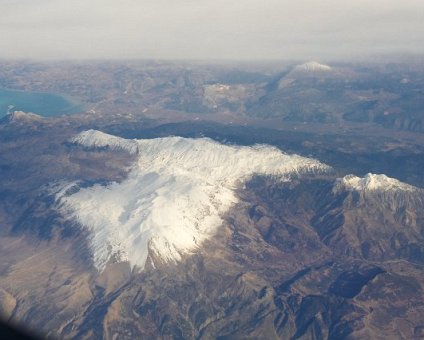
{"x":297,"y":260}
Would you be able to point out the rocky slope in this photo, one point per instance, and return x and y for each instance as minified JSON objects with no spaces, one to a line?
{"x":269,"y":271}
{"x":308,"y":257}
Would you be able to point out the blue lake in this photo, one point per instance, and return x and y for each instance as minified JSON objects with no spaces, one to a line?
{"x":44,"y":104}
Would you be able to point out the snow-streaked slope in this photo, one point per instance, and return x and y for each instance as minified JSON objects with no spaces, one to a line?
{"x":174,"y":196}
{"x":372,"y":182}
{"x":313,"y":66}
{"x":98,"y":139}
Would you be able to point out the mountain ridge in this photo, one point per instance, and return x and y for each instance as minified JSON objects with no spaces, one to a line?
{"x":174,"y":195}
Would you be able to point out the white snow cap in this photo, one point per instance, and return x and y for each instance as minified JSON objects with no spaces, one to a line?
{"x":313,"y":66}
{"x":98,"y":139}
{"x":372,"y":182}
{"x":174,"y":196}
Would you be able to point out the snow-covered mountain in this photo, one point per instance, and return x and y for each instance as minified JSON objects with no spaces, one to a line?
{"x":174,"y":196}
{"x":373,"y":182}
{"x":313,"y":66}
{"x":98,"y":139}
{"x":381,"y":191}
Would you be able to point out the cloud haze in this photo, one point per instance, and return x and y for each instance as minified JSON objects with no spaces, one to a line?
{"x":205,"y":29}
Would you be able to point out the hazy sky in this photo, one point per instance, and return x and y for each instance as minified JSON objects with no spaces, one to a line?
{"x":209,"y":29}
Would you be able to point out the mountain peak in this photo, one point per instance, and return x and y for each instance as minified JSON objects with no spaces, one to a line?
{"x":313,"y":66}
{"x":373,"y":182}
{"x":97,"y":139}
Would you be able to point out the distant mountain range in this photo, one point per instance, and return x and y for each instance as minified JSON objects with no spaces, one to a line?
{"x":387,"y":94}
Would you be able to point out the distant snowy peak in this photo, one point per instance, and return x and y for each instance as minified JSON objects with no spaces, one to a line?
{"x":372,"y":182}
{"x":313,"y":66}
{"x":174,"y":197}
{"x":98,"y":139}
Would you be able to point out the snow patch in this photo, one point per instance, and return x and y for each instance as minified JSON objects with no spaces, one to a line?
{"x":174,"y":197}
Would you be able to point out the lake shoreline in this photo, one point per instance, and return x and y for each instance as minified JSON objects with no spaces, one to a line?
{"x":46,"y":104}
